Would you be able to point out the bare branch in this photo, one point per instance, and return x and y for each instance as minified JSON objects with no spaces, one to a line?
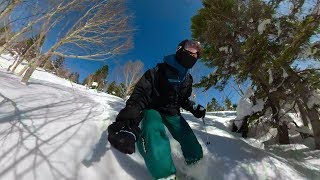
{"x":102,"y":32}
{"x":132,"y":72}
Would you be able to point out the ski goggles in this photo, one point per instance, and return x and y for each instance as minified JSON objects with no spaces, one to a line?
{"x":193,"y":47}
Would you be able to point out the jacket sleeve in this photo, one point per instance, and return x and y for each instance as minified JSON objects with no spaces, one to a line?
{"x":141,"y":95}
{"x":186,"y":103}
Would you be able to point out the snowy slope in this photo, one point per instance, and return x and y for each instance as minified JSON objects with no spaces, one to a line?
{"x":50,"y":126}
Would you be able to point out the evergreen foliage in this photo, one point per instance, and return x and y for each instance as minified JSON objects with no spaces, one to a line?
{"x":99,"y":76}
{"x":260,"y":41}
{"x":227,"y":104}
{"x":214,"y":105}
{"x":115,"y":89}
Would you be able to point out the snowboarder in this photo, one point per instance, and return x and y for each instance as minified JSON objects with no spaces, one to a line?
{"x":155,"y":102}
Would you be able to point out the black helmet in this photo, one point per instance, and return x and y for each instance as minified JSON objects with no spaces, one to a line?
{"x":185,"y":51}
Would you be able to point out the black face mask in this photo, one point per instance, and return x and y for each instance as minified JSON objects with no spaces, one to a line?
{"x":185,"y":58}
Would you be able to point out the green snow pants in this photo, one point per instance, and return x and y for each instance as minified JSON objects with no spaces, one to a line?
{"x":154,"y":145}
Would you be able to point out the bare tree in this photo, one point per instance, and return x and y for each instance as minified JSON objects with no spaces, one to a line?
{"x":47,"y":25}
{"x":101,"y":33}
{"x":8,"y":5}
{"x":104,"y":28}
{"x":41,"y":16}
{"x":31,"y":22}
{"x":132,"y":73}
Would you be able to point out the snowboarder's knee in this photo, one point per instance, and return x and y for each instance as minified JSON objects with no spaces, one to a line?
{"x":152,"y":120}
{"x":194,"y":155}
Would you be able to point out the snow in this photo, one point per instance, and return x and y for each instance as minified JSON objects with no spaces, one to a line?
{"x":314,"y":99}
{"x":262,"y":25}
{"x":278,"y":27}
{"x":245,"y":106}
{"x":284,"y":73}
{"x":94,"y":84}
{"x":225,"y":49}
{"x":259,"y":105}
{"x":314,"y":51}
{"x":270,"y":76}
{"x":50,"y":126}
{"x":304,"y":129}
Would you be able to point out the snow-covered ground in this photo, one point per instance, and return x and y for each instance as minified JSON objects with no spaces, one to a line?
{"x":54,"y":129}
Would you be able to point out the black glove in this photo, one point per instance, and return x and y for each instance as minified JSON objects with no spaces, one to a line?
{"x":123,"y":133}
{"x":198,"y":111}
{"x":123,"y":137}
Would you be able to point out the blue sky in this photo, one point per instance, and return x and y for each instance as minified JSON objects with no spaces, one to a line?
{"x":160,"y":26}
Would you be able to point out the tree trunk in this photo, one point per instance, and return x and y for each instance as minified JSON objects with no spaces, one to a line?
{"x":281,"y":127}
{"x":274,"y":104}
{"x":244,"y":129}
{"x":312,"y":114}
{"x":303,"y":113}
{"x":283,"y":133}
{"x":9,"y":8}
{"x":32,"y":68}
{"x":315,"y":122}
{"x":24,"y":70}
{"x":23,"y":57}
{"x":16,"y":64}
{"x":30,"y":64}
{"x":28,"y":73}
{"x":15,"y":61}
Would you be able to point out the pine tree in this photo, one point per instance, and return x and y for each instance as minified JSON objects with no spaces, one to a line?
{"x":252,"y":40}
{"x":112,"y":88}
{"x":117,"y":90}
{"x":209,"y":107}
{"x":99,"y":76}
{"x":74,"y":77}
{"x":215,"y":105}
{"x":58,"y":62}
{"x":227,"y":104}
{"x":234,"y":107}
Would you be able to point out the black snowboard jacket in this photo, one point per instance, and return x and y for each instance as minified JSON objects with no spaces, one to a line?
{"x":154,"y":91}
